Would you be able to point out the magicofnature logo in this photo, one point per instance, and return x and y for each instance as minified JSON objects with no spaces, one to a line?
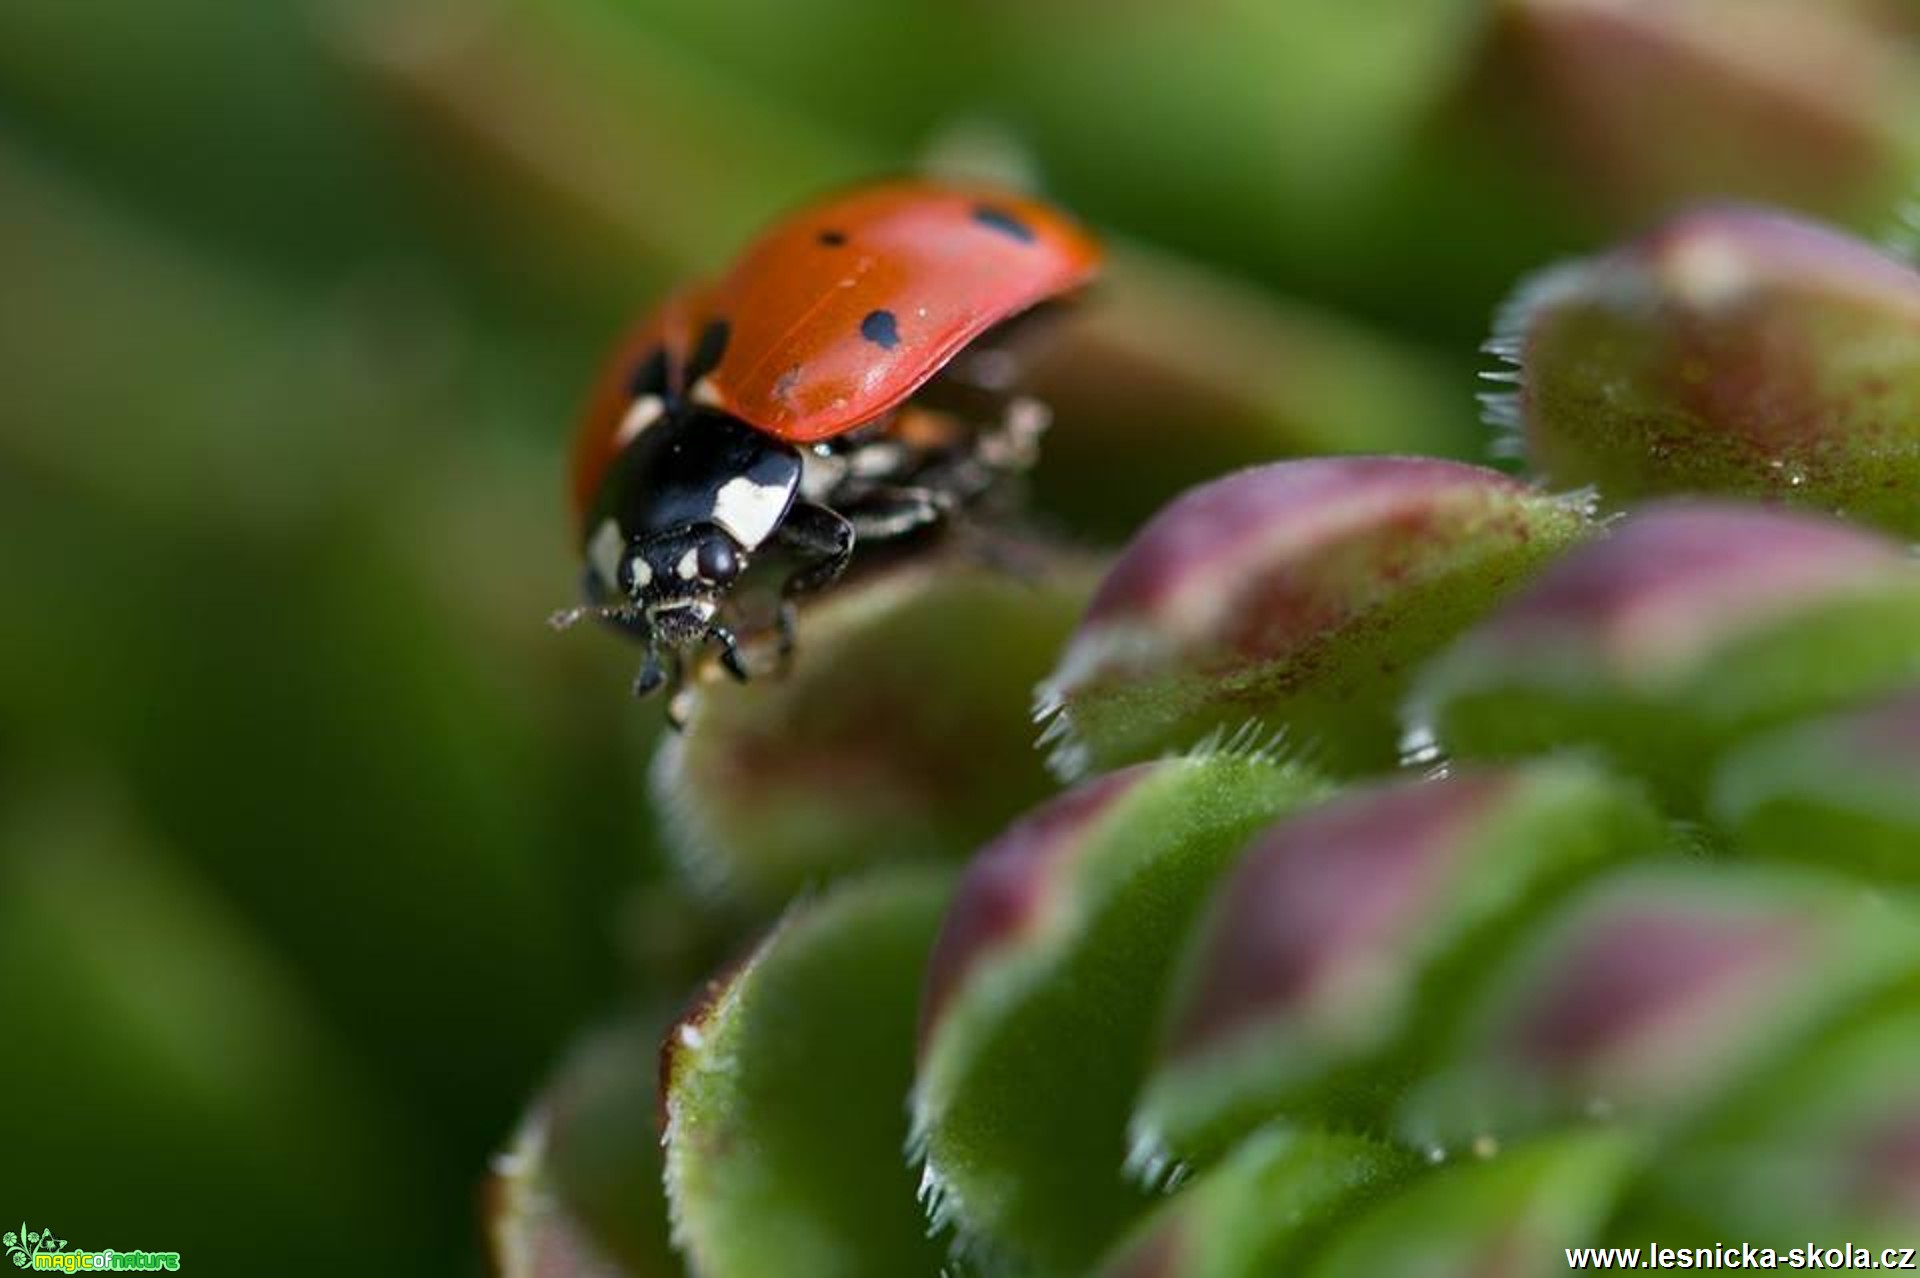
{"x":39,"y":1249}
{"x":23,"y":1246}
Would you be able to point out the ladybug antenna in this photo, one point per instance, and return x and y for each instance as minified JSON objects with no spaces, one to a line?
{"x":567,"y":618}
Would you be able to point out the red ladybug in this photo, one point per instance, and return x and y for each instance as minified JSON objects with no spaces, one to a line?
{"x":839,"y":385}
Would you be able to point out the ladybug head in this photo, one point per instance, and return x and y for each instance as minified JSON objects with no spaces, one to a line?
{"x":678,"y":578}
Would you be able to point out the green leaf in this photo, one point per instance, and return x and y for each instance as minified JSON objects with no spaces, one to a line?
{"x":1297,"y":596}
{"x":578,"y":1191}
{"x":1690,"y":627}
{"x":1652,"y":993}
{"x":1642,"y":107}
{"x":900,"y":732}
{"x":784,"y":1093}
{"x":531,"y":1232}
{"x":1345,"y":939}
{"x":1510,"y":1214}
{"x":1839,"y":791}
{"x":1260,"y":1211}
{"x":1728,"y":351}
{"x":1044,"y":990}
{"x":1821,"y":1149}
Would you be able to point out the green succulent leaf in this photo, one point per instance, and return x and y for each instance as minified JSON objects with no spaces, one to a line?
{"x":530,"y":1231}
{"x":1689,"y":628}
{"x":578,"y":1190}
{"x":1294,"y":596}
{"x":1652,"y":993}
{"x":1841,"y":791}
{"x":784,"y":1093}
{"x":899,"y":731}
{"x":1728,"y":351}
{"x":1643,"y":106}
{"x":1511,"y":1213}
{"x":1820,"y":1150}
{"x":1339,"y":947}
{"x":1260,"y":1211}
{"x":1043,"y":993}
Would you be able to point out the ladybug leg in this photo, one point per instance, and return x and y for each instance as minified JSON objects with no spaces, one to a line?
{"x":893,"y":512}
{"x":1012,"y":445}
{"x":730,"y":653}
{"x":653,"y":672}
{"x":823,"y":540}
{"x":784,"y":625}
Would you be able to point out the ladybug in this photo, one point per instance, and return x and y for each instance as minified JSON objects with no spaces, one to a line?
{"x":844,"y":383}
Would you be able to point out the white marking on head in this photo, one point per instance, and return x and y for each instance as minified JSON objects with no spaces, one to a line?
{"x":689,"y":565}
{"x":642,"y":413}
{"x":642,"y":573}
{"x":704,"y":392}
{"x":750,"y":511}
{"x":604,"y":551}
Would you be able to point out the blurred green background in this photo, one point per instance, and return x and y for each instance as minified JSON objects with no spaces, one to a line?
{"x":316,"y":846}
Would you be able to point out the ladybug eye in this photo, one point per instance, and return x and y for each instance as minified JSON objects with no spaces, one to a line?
{"x":717,"y":561}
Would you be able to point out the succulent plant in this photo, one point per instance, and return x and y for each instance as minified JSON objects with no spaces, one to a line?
{"x":1447,"y":876}
{"x":1532,"y":867}
{"x":1439,"y":868}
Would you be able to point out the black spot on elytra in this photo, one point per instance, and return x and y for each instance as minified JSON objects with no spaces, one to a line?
{"x":832,"y":239}
{"x":1002,"y":221}
{"x":708,"y":350}
{"x":880,"y":328}
{"x":649,"y":376}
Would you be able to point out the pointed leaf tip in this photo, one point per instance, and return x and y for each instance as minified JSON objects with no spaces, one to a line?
{"x":1295,"y":596}
{"x":1649,"y":994}
{"x":1043,"y":994}
{"x":785,"y":1091}
{"x":1841,"y":791}
{"x":1337,"y":948}
{"x":1691,"y":626}
{"x":901,"y":730}
{"x":1728,"y":351}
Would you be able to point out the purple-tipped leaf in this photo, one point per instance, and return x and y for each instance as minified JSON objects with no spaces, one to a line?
{"x":1043,"y":992}
{"x":1689,"y":627}
{"x":1727,"y":351}
{"x":1843,"y":791}
{"x":1292,"y":597}
{"x":1337,"y":949}
{"x":1642,"y":104}
{"x":1826,"y":1148}
{"x":900,"y":731}
{"x":1654,"y":993}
